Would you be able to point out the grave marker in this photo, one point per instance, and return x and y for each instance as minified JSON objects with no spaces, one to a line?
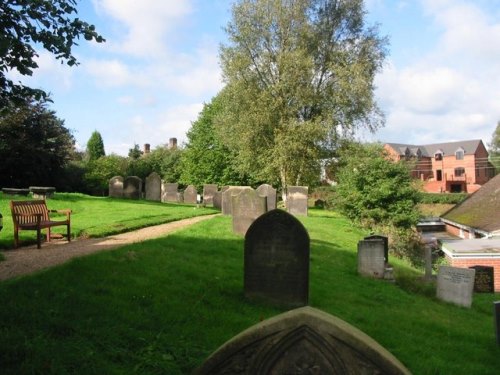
{"x":270,"y":193}
{"x":247,"y":206}
{"x":153,"y":187}
{"x":484,"y":281}
{"x":169,"y":192}
{"x":455,"y":285}
{"x":116,"y":187}
{"x":190,"y":194}
{"x":226,"y":198}
{"x":132,"y":187}
{"x":208,"y":194}
{"x":276,"y":265}
{"x":371,"y":258}
{"x":217,"y":200}
{"x":296,"y":200}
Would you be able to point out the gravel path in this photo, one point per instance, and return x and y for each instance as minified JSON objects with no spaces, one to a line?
{"x":29,"y":259}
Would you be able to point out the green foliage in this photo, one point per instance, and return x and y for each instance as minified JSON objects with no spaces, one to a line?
{"x":135,"y":153}
{"x":27,"y":25}
{"x":437,"y":198}
{"x":99,"y":171}
{"x":166,"y":162}
{"x":95,"y":146}
{"x":494,"y":148}
{"x":35,"y":146}
{"x":206,"y":160}
{"x":375,"y":191}
{"x":299,"y":77}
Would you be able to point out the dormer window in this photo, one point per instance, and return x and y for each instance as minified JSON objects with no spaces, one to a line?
{"x":419,"y":154}
{"x":438,"y":155}
{"x":459,"y":154}
{"x":407,"y":154}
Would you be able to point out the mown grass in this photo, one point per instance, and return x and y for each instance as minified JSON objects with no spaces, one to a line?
{"x":99,"y":216}
{"x":162,"y":306}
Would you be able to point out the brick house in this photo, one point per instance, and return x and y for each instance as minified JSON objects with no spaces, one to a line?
{"x":446,"y":167}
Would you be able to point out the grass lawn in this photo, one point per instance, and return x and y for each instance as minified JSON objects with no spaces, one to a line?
{"x":162,"y":306}
{"x":99,"y":216}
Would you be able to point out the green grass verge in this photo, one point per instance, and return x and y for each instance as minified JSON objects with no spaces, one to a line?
{"x":99,"y":216}
{"x":162,"y":306}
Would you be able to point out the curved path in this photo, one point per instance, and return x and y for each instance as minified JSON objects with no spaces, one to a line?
{"x":29,"y":259}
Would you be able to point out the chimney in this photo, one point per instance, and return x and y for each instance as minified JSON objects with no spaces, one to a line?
{"x":147,"y":148}
{"x":172,"y":143}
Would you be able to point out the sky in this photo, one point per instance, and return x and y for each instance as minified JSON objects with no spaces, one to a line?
{"x":159,"y":65}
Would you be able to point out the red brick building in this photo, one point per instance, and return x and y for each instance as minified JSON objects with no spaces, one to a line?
{"x":446,"y":167}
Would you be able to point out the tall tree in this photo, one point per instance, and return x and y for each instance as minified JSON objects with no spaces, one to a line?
{"x":34,"y":146}
{"x":494,"y":148}
{"x":95,"y":146}
{"x":27,"y":24}
{"x":299,"y":77}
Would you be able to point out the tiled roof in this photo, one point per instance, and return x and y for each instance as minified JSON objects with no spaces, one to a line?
{"x":447,"y":148}
{"x":480,"y":210}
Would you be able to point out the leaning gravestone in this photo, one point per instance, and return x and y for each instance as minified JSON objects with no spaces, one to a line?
{"x":169,"y":192}
{"x":484,"y":280}
{"x":455,"y":285}
{"x":153,"y":187}
{"x":132,"y":187}
{"x":208,"y":194}
{"x":227,"y":200}
{"x":302,"y":341}
{"x":190,"y":194}
{"x":296,"y":200}
{"x":270,"y":193}
{"x":276,"y":261}
{"x":247,"y":206}
{"x":371,"y":258}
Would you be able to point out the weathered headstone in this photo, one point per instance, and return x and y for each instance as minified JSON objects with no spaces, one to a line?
{"x":371,"y":258}
{"x":227,"y":200}
{"x":190,"y":194}
{"x":208,"y":194}
{"x":217,"y":200}
{"x":247,"y":206}
{"x":386,"y":244}
{"x":277,"y":260}
{"x":169,"y":192}
{"x":116,"y":187}
{"x":153,"y":187}
{"x":302,"y":341}
{"x":455,"y":285}
{"x":132,"y":187}
{"x":496,"y":317}
{"x":296,"y":200}
{"x":484,"y":280}
{"x":270,"y":193}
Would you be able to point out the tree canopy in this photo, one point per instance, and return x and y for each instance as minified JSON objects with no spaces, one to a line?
{"x":299,"y":77}
{"x":26,"y":25}
{"x":95,"y":146}
{"x":494,"y":148}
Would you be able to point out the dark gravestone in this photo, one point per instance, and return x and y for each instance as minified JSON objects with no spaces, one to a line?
{"x":132,"y":187}
{"x":296,"y":200}
{"x":227,"y":200}
{"x":484,"y":279}
{"x":386,"y":244}
{"x":247,"y":206}
{"x":270,"y":193}
{"x":277,"y":260}
{"x":190,"y":194}
{"x":217,"y":200}
{"x":496,"y":317}
{"x":116,"y":187}
{"x":371,"y":258}
{"x":208,"y":194}
{"x":153,"y":187}
{"x":169,"y":192}
{"x":302,"y":341}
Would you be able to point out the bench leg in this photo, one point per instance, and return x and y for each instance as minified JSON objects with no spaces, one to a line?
{"x":48,"y":234}
{"x":69,"y":233}
{"x":16,"y":237}
{"x":38,"y":238}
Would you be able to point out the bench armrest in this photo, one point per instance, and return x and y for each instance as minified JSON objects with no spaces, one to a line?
{"x":66,"y":212}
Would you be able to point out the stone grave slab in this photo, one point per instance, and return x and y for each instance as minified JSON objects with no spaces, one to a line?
{"x":269,"y":192}
{"x":116,"y":187}
{"x":169,"y":192}
{"x":296,"y":200}
{"x":217,"y":200}
{"x":371,"y":258}
{"x":226,"y":198}
{"x":153,"y":187}
{"x":190,"y":194}
{"x":276,"y":260}
{"x":208,"y":194}
{"x":132,"y":187}
{"x":302,"y":341}
{"x":247,"y":206}
{"x":484,"y":280}
{"x":455,"y":285}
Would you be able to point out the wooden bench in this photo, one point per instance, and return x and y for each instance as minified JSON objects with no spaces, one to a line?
{"x":34,"y":215}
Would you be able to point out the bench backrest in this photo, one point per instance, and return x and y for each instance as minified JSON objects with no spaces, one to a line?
{"x":28,"y":207}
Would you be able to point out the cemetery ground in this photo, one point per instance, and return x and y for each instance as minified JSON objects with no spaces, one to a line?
{"x":163,"y":305}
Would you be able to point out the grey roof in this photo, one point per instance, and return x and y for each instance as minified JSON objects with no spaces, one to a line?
{"x":447,"y":148}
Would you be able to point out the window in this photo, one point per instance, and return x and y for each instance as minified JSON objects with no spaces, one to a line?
{"x":438,"y":155}
{"x":439,"y":175}
{"x":459,"y":172}
{"x":459,"y":154}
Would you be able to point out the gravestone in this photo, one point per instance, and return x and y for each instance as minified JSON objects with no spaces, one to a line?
{"x":132,"y":187}
{"x":169,"y":192}
{"x":116,"y":187}
{"x":217,"y":201}
{"x":296,"y":200}
{"x":455,"y":285}
{"x":386,"y":244}
{"x":496,"y":317}
{"x":227,"y":200}
{"x":276,"y":260}
{"x":208,"y":194}
{"x":153,"y":187}
{"x":484,"y":280}
{"x":190,"y":194}
{"x":247,"y":206}
{"x":270,"y":193}
{"x":302,"y":341}
{"x":371,"y":258}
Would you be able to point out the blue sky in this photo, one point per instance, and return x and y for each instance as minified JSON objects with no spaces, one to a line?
{"x":148,"y":82}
